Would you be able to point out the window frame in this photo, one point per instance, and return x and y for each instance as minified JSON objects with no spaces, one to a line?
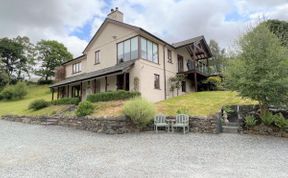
{"x":97,"y":62}
{"x":76,"y":67}
{"x":152,"y":44}
{"x":123,"y":46}
{"x":169,"y":55}
{"x":157,"y":81}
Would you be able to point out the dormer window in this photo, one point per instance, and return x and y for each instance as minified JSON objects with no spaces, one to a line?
{"x":76,"y":68}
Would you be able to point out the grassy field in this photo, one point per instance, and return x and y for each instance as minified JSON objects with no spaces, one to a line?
{"x":20,"y":107}
{"x":201,"y":103}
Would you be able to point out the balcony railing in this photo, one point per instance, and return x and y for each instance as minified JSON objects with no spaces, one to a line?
{"x":200,"y":67}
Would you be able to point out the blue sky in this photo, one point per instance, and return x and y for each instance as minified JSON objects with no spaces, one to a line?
{"x":74,"y":22}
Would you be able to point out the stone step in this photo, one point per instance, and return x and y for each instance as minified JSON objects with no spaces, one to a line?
{"x":230,"y":129}
{"x":236,"y":124}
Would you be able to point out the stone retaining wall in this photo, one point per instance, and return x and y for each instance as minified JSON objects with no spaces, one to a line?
{"x":264,"y":130}
{"x":117,"y":125}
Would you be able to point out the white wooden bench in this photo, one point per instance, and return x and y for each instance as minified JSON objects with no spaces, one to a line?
{"x":182,"y":121}
{"x":160,"y":121}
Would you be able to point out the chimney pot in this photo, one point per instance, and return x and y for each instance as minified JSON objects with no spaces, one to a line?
{"x":115,"y":15}
{"x":112,"y":10}
{"x":116,"y":8}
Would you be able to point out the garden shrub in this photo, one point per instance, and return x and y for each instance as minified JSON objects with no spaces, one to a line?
{"x":250,"y":121}
{"x":182,"y":110}
{"x":112,"y":95}
{"x":280,"y":121}
{"x":85,"y":108}
{"x":267,"y":118}
{"x":44,"y":82}
{"x":14,"y":92}
{"x":66,"y":101}
{"x":140,"y":111}
{"x":38,"y":104}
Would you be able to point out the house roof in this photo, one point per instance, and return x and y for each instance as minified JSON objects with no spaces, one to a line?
{"x":187,"y":42}
{"x":106,"y":71}
{"x":79,"y":57}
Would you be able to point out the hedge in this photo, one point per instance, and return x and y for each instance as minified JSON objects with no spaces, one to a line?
{"x":66,"y":101}
{"x":112,"y":95}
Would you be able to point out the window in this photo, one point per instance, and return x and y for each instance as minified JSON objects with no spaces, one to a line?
{"x":180,"y":64}
{"x":156,"y":81}
{"x":97,"y":57}
{"x":127,"y":50}
{"x":169,"y":55}
{"x":149,"y":50}
{"x":76,"y":68}
{"x":183,"y":86}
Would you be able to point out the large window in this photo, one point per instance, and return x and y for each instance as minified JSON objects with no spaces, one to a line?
{"x":149,"y":50}
{"x":169,"y":55}
{"x":76,"y":68}
{"x":127,"y":50}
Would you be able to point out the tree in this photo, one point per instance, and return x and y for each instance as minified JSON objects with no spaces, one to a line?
{"x":16,"y":57}
{"x":218,"y":56}
{"x":50,"y":54}
{"x":259,"y":71}
{"x":280,"y":29}
{"x":176,"y":82}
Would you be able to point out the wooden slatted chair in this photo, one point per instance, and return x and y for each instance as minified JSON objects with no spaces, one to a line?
{"x":182,"y":121}
{"x":160,"y":121}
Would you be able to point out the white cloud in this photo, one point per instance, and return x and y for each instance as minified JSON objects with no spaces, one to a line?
{"x":172,"y":20}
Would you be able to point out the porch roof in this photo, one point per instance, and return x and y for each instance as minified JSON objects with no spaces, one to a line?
{"x":119,"y":68}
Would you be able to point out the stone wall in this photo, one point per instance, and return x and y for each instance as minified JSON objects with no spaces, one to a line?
{"x":265,"y":130}
{"x":117,"y":125}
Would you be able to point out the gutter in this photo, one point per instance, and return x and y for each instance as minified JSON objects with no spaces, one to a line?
{"x":164,"y":71}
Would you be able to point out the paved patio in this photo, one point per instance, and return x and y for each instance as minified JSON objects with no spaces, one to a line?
{"x":52,"y":151}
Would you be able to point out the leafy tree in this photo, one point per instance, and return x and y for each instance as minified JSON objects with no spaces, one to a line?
{"x":50,"y":55}
{"x":16,"y":56}
{"x":218,"y":56}
{"x":280,"y":29}
{"x":260,"y":69}
{"x":176,"y":83}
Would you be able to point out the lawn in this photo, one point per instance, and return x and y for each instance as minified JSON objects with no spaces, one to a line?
{"x":20,"y":107}
{"x":201,"y":103}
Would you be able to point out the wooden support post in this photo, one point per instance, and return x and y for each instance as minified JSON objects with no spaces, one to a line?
{"x":94,"y":86}
{"x":52,"y":93}
{"x":68,"y":94}
{"x":81,"y":91}
{"x":124,"y":81}
{"x":106,"y":84}
{"x":194,"y":65}
{"x":57,"y":93}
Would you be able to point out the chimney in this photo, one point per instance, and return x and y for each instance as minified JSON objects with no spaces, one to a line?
{"x":115,"y":15}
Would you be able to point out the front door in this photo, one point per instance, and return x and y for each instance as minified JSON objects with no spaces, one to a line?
{"x":180,"y":63}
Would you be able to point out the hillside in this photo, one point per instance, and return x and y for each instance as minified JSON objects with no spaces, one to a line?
{"x":20,"y":107}
{"x":201,"y":103}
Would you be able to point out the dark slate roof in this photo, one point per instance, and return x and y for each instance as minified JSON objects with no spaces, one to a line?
{"x":83,"y":55}
{"x":109,"y":70}
{"x":186,"y":42}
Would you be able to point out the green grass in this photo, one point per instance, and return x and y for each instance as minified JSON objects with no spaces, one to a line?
{"x":20,"y":107}
{"x":201,"y":103}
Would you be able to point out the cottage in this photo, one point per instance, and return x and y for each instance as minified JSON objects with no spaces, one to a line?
{"x":126,"y":57}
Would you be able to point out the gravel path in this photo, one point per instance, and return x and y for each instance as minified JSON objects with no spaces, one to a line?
{"x":52,"y":151}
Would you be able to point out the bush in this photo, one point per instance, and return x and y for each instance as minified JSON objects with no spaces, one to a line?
{"x":66,"y":101}
{"x":112,"y":95}
{"x":250,"y":121}
{"x":84,"y":108}
{"x":280,"y":121}
{"x":14,"y":92}
{"x":44,"y":82}
{"x":267,"y":118}
{"x":38,"y":104}
{"x":182,"y":110}
{"x":139,"y":111}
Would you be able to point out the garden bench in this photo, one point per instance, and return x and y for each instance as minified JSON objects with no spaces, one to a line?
{"x":160,"y":121}
{"x":182,"y":121}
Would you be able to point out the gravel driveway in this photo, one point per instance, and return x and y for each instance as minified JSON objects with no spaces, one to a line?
{"x":53,"y":151}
